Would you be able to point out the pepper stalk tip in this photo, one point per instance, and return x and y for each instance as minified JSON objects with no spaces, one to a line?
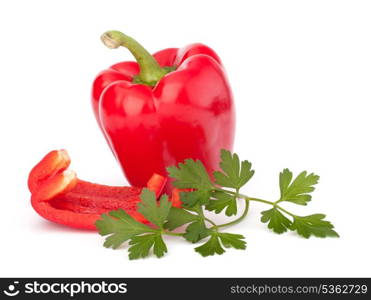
{"x":110,"y":40}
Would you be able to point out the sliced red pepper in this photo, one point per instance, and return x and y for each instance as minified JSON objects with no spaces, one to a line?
{"x":52,"y":163}
{"x":58,"y":196}
{"x":81,"y":207}
{"x":156,"y":183}
{"x":175,"y":197}
{"x":59,"y":183}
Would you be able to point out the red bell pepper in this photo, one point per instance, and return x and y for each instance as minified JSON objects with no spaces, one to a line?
{"x":59,"y":196}
{"x":165,"y":108}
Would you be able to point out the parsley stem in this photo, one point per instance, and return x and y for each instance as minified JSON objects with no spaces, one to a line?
{"x":247,"y":201}
{"x":200,"y":212}
{"x":271,"y":203}
{"x":258,"y":200}
{"x":211,"y":222}
{"x":173,"y":233}
{"x":285,"y":211}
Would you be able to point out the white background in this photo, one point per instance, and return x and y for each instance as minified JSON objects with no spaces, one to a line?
{"x":300,"y":72}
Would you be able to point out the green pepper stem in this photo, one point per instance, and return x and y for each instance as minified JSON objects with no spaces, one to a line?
{"x":150,"y":71}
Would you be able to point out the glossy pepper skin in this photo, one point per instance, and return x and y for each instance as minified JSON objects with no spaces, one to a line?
{"x":185,"y":110}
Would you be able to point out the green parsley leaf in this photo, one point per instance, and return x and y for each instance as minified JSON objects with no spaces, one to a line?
{"x":297,"y":191}
{"x":232,"y":240}
{"x":196,"y":231}
{"x":190,"y":174}
{"x":149,"y":208}
{"x":120,"y":227}
{"x":142,"y":244}
{"x":313,"y":225}
{"x":123,"y":227}
{"x":277,"y":221}
{"x":178,"y":217}
{"x":222,"y":201}
{"x":235,"y":174}
{"x":211,"y":247}
{"x":191,"y":199}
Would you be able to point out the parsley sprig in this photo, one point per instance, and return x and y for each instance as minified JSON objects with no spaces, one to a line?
{"x":220,"y":195}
